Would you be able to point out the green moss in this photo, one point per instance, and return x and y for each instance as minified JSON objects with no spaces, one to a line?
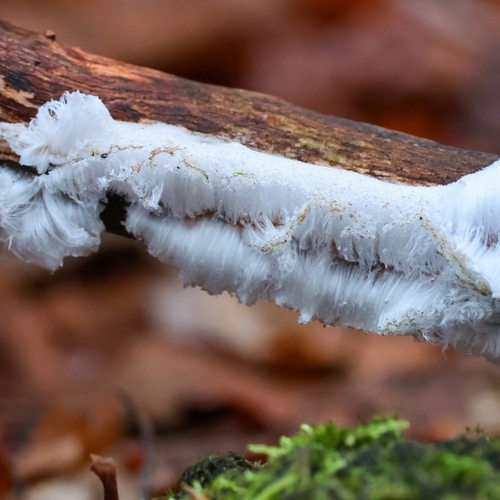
{"x":372,"y":461}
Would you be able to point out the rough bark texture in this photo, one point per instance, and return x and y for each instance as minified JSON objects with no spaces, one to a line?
{"x":35,"y":68}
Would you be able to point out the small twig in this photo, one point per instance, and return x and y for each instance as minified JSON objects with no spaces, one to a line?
{"x":146,"y":434}
{"x":105,"y":469}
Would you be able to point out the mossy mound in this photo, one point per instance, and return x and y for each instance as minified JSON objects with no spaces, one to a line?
{"x":371,"y":462}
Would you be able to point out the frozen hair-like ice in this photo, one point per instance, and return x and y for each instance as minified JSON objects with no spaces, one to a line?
{"x":334,"y":245}
{"x":54,"y":135}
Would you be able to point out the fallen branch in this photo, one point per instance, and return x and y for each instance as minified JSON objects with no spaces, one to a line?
{"x":344,"y":222}
{"x":35,"y":68}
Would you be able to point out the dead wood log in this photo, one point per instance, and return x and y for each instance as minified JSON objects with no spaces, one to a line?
{"x":35,"y":68}
{"x":222,"y":196}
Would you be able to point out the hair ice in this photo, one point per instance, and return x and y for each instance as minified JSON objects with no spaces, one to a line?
{"x":334,"y":245}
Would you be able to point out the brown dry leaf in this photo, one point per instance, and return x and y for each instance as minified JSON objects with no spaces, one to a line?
{"x":401,"y":65}
{"x":6,"y":480}
{"x":25,"y":338}
{"x":263,"y":333}
{"x":381,"y":357}
{"x":66,"y":437}
{"x":165,"y":378}
{"x":165,"y":33}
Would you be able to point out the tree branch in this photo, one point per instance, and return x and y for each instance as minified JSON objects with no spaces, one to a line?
{"x":35,"y":69}
{"x":235,"y":189}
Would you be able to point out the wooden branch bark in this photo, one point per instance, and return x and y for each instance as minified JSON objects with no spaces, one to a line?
{"x":35,"y":68}
{"x":335,"y":244}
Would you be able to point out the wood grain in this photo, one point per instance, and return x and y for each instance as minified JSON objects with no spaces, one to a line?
{"x":35,"y":68}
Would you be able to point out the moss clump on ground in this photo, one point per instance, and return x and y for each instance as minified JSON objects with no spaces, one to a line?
{"x":372,"y":461}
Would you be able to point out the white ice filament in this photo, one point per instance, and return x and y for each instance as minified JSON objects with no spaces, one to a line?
{"x":334,"y":245}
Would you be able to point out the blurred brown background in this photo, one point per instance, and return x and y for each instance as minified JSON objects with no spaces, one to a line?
{"x":206,"y":373}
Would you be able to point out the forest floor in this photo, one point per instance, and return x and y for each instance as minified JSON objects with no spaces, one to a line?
{"x":111,"y":348}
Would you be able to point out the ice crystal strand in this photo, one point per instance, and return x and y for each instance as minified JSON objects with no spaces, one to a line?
{"x":337,"y":246}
